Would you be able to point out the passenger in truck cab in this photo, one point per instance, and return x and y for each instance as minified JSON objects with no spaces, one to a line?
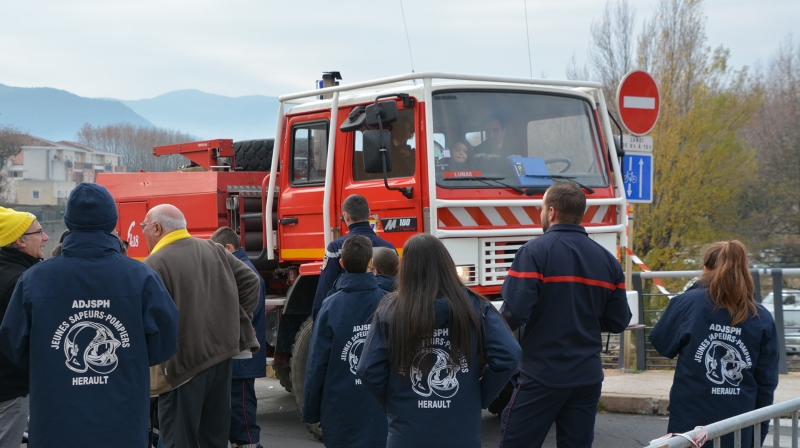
{"x":459,"y":159}
{"x":403,"y":155}
{"x":495,"y":131}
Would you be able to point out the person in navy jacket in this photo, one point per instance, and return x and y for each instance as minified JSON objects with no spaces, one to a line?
{"x":87,"y":325}
{"x":355,"y":213}
{"x":244,"y":431}
{"x":426,"y":348}
{"x":726,"y":343}
{"x":333,"y":395}
{"x":566,"y":289}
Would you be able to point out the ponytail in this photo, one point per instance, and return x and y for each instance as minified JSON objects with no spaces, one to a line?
{"x":728,"y":279}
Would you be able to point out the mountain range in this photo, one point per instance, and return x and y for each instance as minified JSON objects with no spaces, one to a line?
{"x":57,"y":115}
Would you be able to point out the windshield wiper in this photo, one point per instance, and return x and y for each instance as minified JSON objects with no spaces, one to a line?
{"x":486,"y":181}
{"x":558,"y":176}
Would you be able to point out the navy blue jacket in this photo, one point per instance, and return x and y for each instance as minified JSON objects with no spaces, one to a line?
{"x":722,"y":371}
{"x":255,"y":367}
{"x":441,"y":405}
{"x":333,"y":394}
{"x":87,"y":325}
{"x":13,"y":263}
{"x":330,"y":264}
{"x":385,"y":282}
{"x":566,"y":289}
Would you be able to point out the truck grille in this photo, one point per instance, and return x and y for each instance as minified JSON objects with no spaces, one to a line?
{"x":496,"y":257}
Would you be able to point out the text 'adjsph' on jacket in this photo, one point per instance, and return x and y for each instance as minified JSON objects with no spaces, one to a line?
{"x":88,"y":324}
{"x":440,"y":406}
{"x":722,"y":370}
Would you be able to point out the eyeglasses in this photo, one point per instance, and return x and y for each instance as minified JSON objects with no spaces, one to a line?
{"x":40,"y":232}
{"x":145,"y":224}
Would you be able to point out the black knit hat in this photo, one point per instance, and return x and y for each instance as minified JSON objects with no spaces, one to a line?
{"x":90,"y":207}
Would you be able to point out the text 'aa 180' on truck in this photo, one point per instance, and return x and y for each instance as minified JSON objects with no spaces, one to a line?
{"x":397,"y":142}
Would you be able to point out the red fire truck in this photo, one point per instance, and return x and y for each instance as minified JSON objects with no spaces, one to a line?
{"x":392,"y":140}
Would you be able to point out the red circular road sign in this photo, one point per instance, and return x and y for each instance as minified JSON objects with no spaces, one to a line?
{"x":638,"y":101}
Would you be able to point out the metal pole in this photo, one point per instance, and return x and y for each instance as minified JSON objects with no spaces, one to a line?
{"x":777,"y":292}
{"x":625,"y":337}
{"x":641,"y":347}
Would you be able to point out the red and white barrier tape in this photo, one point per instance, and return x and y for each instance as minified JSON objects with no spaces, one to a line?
{"x":644,"y":267}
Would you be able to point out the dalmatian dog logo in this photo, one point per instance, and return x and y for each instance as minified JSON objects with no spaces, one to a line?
{"x":91,"y":346}
{"x":724,"y":364}
{"x":440,"y":380}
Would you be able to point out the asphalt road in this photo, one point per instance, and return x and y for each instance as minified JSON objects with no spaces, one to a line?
{"x":281,"y":426}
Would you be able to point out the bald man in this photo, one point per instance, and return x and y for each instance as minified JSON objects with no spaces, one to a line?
{"x":216,"y":295}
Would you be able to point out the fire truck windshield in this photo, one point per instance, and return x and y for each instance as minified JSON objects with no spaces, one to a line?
{"x":520,"y":137}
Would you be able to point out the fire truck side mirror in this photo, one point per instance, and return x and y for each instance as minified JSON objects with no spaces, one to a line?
{"x":384,"y":111}
{"x":373,"y":142}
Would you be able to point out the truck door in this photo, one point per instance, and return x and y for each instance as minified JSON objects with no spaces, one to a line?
{"x":300,"y":226}
{"x":395,"y":217}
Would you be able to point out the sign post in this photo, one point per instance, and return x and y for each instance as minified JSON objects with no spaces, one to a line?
{"x":638,"y":102}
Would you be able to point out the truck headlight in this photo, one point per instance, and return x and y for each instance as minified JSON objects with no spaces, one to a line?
{"x":466,"y":273}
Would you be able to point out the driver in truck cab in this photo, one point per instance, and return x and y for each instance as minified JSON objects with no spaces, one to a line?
{"x":355,"y":213}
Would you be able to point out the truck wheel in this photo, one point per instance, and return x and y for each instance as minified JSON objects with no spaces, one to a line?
{"x":254,"y":155}
{"x":302,"y":344}
{"x":284,"y":375}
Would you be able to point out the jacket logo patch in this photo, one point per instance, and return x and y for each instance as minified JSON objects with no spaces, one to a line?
{"x":91,"y":345}
{"x":399,"y":224}
{"x":351,"y":353}
{"x":441,"y":378}
{"x":724,"y":356}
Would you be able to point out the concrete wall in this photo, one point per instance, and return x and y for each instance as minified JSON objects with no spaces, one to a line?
{"x":48,"y":192}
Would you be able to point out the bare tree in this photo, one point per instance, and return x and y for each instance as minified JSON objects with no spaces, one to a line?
{"x":11,"y":142}
{"x":136,"y":144}
{"x":775,"y":134}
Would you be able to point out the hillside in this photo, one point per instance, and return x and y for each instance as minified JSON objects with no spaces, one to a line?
{"x":211,"y":116}
{"x":57,"y":115}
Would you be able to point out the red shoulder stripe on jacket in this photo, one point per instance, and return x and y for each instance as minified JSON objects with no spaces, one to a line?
{"x":586,"y":281}
{"x":512,"y":273}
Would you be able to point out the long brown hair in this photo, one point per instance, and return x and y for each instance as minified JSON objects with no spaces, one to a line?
{"x":427,"y":273}
{"x":728,"y":279}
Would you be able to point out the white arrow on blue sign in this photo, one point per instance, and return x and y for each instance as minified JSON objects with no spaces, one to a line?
{"x":637,"y":171}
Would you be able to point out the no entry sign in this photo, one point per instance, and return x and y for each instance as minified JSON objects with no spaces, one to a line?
{"x":638,"y":102}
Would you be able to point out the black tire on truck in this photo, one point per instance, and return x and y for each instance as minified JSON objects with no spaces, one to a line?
{"x":284,"y":375}
{"x":254,"y":155}
{"x":302,"y":344}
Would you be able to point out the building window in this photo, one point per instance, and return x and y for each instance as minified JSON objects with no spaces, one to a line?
{"x":35,"y":194}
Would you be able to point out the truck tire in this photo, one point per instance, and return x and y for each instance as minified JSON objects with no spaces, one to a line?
{"x":302,"y":344}
{"x":284,"y":375}
{"x":254,"y":155}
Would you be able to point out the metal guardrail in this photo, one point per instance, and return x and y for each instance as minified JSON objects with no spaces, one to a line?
{"x":736,"y":424}
{"x":648,"y":358}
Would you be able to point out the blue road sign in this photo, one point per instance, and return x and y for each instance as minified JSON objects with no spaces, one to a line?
{"x":637,"y":171}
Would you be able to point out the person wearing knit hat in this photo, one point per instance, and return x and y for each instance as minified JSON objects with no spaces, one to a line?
{"x":21,"y":231}
{"x":22,"y":243}
{"x":90,"y":207}
{"x":86,"y":326}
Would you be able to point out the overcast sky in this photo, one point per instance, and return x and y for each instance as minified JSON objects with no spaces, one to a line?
{"x":140,"y":49}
